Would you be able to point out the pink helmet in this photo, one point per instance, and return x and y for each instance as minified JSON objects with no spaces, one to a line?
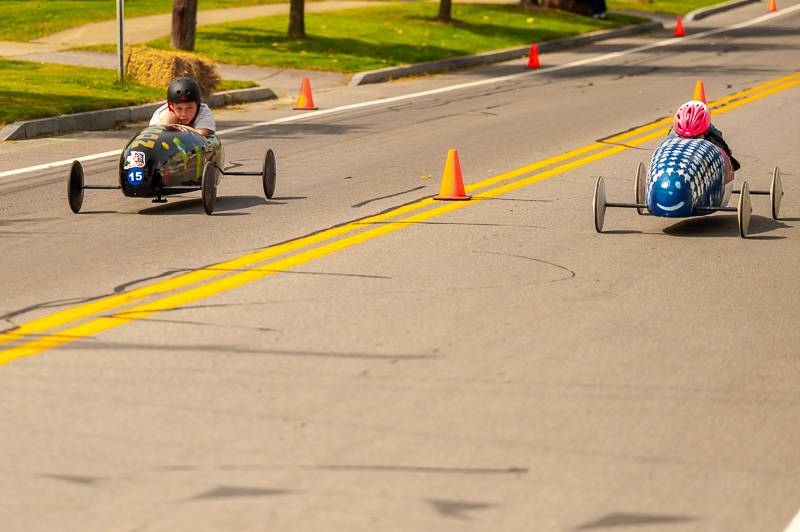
{"x":692,"y":119}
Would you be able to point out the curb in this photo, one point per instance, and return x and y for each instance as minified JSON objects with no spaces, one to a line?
{"x":497,"y":56}
{"x":111,"y":118}
{"x":704,"y":12}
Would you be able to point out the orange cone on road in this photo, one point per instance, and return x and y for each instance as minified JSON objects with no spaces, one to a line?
{"x":700,"y":92}
{"x":452,"y":187}
{"x":305,"y":102}
{"x":773,"y":7}
{"x":533,"y":58}
{"x":679,"y":28}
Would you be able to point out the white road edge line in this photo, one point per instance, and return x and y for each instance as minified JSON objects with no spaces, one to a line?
{"x":65,"y":162}
{"x":381,"y":101}
{"x":794,"y":526}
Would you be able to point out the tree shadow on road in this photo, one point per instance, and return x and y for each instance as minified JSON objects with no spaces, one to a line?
{"x":287,"y":131}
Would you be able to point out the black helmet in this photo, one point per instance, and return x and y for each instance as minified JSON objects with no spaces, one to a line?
{"x":183,"y":90}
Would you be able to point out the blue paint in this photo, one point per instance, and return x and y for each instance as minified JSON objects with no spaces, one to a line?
{"x":685,"y":174}
{"x":136,"y":176}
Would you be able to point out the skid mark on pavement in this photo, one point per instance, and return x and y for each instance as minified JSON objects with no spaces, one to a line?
{"x":629,"y":520}
{"x":208,"y":324}
{"x":74,"y":479}
{"x":367,"y":202}
{"x":366,"y":468}
{"x":458,"y":509}
{"x":570,"y":273}
{"x":323,"y":244}
{"x":227,"y":492}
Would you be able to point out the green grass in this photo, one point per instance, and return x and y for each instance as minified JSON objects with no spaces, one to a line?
{"x":26,"y":20}
{"x":676,"y":7}
{"x":233,"y":84}
{"x":35,"y":90}
{"x":103,"y":48}
{"x":376,"y":37}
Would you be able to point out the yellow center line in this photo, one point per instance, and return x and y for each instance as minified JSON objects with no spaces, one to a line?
{"x":205,"y":291}
{"x":238,"y":279}
{"x":77,"y":313}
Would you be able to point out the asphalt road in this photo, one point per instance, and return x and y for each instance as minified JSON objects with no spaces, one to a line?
{"x":493,"y":364}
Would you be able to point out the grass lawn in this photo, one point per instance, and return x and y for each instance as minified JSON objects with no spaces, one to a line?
{"x":25,"y":20}
{"x":376,"y":37}
{"x":34,"y":90}
{"x":233,"y":84}
{"x":677,"y":7}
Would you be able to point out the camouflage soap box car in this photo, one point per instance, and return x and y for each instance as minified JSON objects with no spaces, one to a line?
{"x":162,"y":161}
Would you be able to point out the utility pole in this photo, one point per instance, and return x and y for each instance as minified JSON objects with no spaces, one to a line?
{"x":184,"y":23}
{"x":121,"y":39}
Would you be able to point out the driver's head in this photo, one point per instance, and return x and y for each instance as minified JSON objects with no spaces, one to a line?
{"x":692,"y":119}
{"x":183,"y":99}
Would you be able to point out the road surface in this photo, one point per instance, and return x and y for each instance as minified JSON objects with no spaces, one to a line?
{"x":307,"y":363}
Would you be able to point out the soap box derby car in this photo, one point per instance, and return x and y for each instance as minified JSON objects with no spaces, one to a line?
{"x":686,"y":178}
{"x":166,"y":160}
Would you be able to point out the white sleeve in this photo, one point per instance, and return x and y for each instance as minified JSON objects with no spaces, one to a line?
{"x":157,"y":115}
{"x":205,"y":120}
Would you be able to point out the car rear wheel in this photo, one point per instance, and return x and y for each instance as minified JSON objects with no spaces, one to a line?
{"x":209,"y":187}
{"x":269,"y":174}
{"x":75,"y":187}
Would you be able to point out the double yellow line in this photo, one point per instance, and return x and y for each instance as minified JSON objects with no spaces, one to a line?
{"x":190,"y":287}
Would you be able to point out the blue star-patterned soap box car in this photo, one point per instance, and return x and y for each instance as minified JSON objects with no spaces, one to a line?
{"x":688,"y":177}
{"x":162,"y":161}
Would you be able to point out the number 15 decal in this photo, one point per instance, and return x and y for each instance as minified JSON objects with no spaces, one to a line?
{"x":135,"y":176}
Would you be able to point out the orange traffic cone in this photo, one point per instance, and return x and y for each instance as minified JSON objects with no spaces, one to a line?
{"x":452,"y":185}
{"x":533,"y":58}
{"x":773,"y":7}
{"x":700,"y":92}
{"x":679,"y":29}
{"x":305,"y":102}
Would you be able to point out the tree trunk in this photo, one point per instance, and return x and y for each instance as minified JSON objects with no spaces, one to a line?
{"x":297,"y":23}
{"x":184,"y":24}
{"x":445,"y":11}
{"x":582,"y":7}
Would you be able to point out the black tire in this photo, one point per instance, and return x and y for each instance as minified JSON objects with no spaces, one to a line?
{"x":75,"y":187}
{"x":641,"y":179}
{"x":269,"y":174}
{"x":209,"y":187}
{"x":599,"y":204}
{"x":743,"y":210}
{"x":776,"y":193}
